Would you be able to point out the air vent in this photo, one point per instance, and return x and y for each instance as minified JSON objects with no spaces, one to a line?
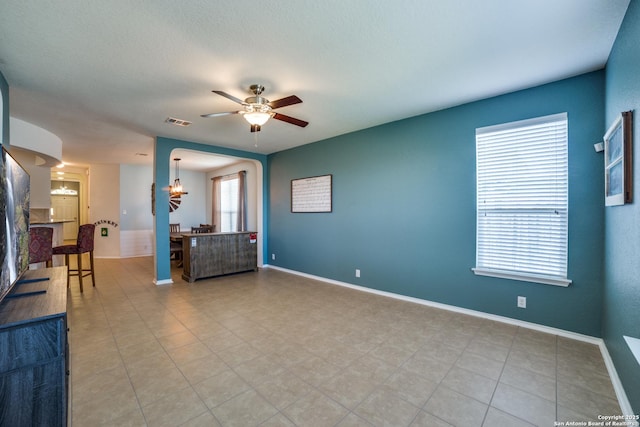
{"x":177,"y":122}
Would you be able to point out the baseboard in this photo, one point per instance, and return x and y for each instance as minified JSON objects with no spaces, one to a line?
{"x":623,"y":401}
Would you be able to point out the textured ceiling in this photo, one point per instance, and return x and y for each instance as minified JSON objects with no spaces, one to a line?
{"x":103,"y":76}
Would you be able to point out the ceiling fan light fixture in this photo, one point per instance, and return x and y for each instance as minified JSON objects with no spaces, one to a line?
{"x":257,"y":110}
{"x":257,"y":114}
{"x":257,"y":117}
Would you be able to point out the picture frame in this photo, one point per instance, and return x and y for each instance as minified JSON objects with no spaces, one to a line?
{"x":618,"y":161}
{"x":312,"y":195}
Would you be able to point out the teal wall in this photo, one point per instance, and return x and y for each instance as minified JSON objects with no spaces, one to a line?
{"x":4,"y":89}
{"x":161,"y":174}
{"x":622,"y":223}
{"x":404,"y":208}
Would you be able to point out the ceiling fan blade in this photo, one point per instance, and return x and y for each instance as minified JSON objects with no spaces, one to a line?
{"x":255,"y":128}
{"x":283,"y":102}
{"x":219,"y":114}
{"x":231,"y":97}
{"x":291,"y":120}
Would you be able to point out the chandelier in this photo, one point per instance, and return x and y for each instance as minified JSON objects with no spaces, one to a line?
{"x":176,"y":189}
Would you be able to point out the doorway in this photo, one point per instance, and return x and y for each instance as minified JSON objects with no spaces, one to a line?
{"x":65,"y":206}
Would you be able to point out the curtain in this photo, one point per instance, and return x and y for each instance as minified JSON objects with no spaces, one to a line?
{"x":215,"y":204}
{"x":241,"y":222}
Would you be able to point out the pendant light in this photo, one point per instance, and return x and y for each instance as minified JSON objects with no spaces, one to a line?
{"x":176,"y":188}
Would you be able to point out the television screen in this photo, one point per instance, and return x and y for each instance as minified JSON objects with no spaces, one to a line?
{"x":14,"y":214}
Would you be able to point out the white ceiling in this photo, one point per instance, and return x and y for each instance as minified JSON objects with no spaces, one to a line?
{"x":104,"y":75}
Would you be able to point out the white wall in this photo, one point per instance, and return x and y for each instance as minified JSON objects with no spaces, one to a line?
{"x":104,"y":205}
{"x":40,"y":178}
{"x":37,"y":150}
{"x":193,"y":206}
{"x":46,"y":145}
{"x":136,"y":243}
{"x":135,"y":197}
{"x":136,"y":218}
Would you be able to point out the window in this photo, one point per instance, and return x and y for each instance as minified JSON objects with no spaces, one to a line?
{"x":522,"y":200}
{"x":228,"y":204}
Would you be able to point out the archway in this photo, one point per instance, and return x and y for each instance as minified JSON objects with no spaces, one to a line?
{"x":162,"y":163}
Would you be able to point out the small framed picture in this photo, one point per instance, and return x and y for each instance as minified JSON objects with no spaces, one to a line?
{"x":618,"y":179}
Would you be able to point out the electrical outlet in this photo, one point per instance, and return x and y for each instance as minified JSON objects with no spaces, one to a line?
{"x":357,"y":272}
{"x":273,"y":257}
{"x":522,"y":302}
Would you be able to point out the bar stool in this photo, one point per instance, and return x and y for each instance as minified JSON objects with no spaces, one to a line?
{"x":84,"y":244}
{"x":40,"y":245}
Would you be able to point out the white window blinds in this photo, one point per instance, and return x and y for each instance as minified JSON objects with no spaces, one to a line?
{"x":522,"y":200}
{"x":228,"y":204}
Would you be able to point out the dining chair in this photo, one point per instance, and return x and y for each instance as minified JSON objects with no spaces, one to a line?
{"x":199,"y":230}
{"x":41,"y":245}
{"x":83,"y":245}
{"x":175,"y":250}
{"x":175,"y":244}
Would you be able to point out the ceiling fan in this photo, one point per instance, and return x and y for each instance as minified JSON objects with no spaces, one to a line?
{"x":257,"y":110}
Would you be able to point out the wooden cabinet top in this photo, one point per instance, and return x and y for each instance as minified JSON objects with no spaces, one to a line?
{"x":39,"y":305}
{"x":214,"y":234}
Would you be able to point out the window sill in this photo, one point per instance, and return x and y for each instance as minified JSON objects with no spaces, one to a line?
{"x":546,"y":280}
{"x":634,"y":345}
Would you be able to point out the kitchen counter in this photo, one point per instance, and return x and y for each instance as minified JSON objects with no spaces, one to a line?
{"x":51,"y":221}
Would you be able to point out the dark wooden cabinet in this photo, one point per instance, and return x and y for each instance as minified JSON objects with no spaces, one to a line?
{"x":34,"y":351}
{"x":215,"y":254}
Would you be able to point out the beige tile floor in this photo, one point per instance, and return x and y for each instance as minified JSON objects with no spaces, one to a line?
{"x":273,"y":349}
